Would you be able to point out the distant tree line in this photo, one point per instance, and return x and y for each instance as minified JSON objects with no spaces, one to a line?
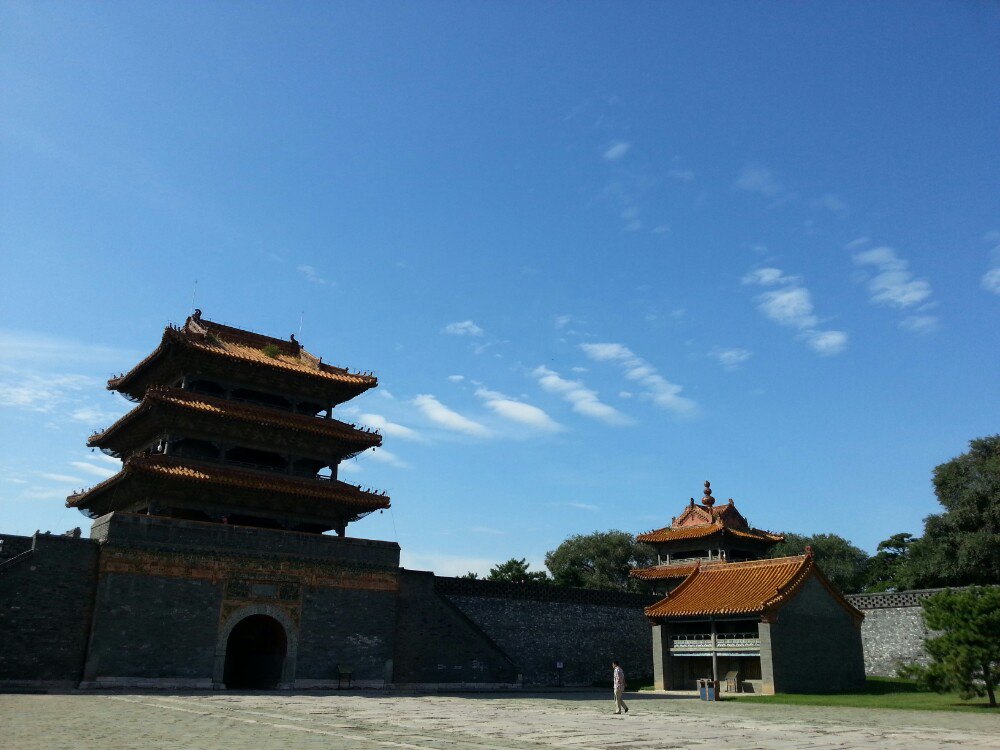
{"x":960,"y":546}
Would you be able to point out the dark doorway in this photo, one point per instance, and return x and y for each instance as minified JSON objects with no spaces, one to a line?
{"x":255,"y":653}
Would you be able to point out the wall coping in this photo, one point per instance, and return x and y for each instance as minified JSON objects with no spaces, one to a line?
{"x":541,"y":592}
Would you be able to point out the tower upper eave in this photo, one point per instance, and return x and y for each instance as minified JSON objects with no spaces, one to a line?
{"x":233,"y":354}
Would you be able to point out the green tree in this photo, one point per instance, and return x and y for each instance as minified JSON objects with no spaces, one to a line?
{"x":888,"y":568}
{"x":965,"y":657}
{"x":601,"y":560}
{"x":471,"y":575}
{"x":516,"y":571}
{"x":841,"y":562}
{"x":962,"y":545}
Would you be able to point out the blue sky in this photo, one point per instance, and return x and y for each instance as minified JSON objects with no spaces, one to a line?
{"x":597,"y":253}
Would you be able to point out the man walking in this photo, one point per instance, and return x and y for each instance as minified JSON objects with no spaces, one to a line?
{"x":618,"y":675}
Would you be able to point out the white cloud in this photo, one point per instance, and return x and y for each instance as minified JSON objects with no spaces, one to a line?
{"x":563,"y":320}
{"x":893,"y":285}
{"x":582,"y":506}
{"x":98,"y":456}
{"x":456,"y":378}
{"x":755,"y":179}
{"x":390,"y":429}
{"x":91,"y":414}
{"x":62,"y":478}
{"x":382,"y":456}
{"x":22,"y":346}
{"x":518,"y":411}
{"x":792,"y":306}
{"x":827,"y":343}
{"x":616,"y":150}
{"x":730,"y":358}
{"x":311,"y":274}
{"x":583,"y":400}
{"x":991,"y":280}
{"x":463,"y":328}
{"x":486,"y":530}
{"x":856,"y":243}
{"x":661,"y":391}
{"x":831,"y":203}
{"x":41,"y":393}
{"x":94,"y":469}
{"x":768,"y":277}
{"x":441,"y":415}
{"x":349,"y":467}
{"x":920,"y":323}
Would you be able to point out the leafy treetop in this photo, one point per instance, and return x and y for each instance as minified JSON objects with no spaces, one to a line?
{"x":965,"y":655}
{"x":601,"y":560}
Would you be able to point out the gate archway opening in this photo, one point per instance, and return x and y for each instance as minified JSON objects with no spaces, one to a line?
{"x":255,"y":654}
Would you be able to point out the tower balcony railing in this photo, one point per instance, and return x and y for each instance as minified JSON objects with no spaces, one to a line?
{"x":723,"y":642}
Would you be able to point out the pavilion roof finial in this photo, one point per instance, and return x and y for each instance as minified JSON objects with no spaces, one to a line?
{"x":708,"y":499}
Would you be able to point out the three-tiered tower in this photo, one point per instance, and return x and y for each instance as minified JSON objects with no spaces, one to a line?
{"x":234,"y":427}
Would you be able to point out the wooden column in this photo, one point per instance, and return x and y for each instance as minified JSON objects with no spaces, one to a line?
{"x":715,"y":653}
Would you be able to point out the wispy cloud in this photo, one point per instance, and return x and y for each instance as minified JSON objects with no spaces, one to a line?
{"x":657,"y":388}
{"x":62,"y":478}
{"x":991,"y":279}
{"x":311,"y":274}
{"x":616,"y":150}
{"x":441,"y":415}
{"x":894,"y":285}
{"x":388,"y":428}
{"x":456,"y":378}
{"x":463,"y":328}
{"x":517,"y":411}
{"x":382,"y":456}
{"x":760,"y":180}
{"x":93,"y":469}
{"x":38,"y":349}
{"x":831,"y":203}
{"x":920,"y":323}
{"x":582,"y":506}
{"x":681,"y":175}
{"x":791,"y":306}
{"x":768,"y":277}
{"x":583,"y":400}
{"x":730,"y":358}
{"x":42,"y":393}
{"x":486,"y":530}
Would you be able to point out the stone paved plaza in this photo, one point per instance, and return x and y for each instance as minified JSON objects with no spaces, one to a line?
{"x":353,"y":720}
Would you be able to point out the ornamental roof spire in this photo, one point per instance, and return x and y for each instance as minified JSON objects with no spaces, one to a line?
{"x":708,"y":500}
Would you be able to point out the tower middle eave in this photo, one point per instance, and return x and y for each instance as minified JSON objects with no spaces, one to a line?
{"x":186,"y":412}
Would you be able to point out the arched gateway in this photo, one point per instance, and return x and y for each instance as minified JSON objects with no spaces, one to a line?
{"x":256,"y":650}
{"x":255,"y":653}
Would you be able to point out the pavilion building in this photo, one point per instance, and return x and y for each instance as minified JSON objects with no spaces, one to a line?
{"x":760,"y":625}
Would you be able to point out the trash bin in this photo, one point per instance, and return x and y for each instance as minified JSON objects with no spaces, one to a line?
{"x":708,"y":690}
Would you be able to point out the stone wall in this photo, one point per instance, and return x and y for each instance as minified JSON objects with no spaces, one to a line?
{"x":893,"y":631}
{"x":46,"y":591}
{"x":539,"y":626}
{"x":438,"y":644}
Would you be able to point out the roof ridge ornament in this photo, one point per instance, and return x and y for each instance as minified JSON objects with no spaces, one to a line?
{"x":708,"y":500}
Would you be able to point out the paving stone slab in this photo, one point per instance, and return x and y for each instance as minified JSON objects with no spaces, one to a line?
{"x":366,"y":721}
